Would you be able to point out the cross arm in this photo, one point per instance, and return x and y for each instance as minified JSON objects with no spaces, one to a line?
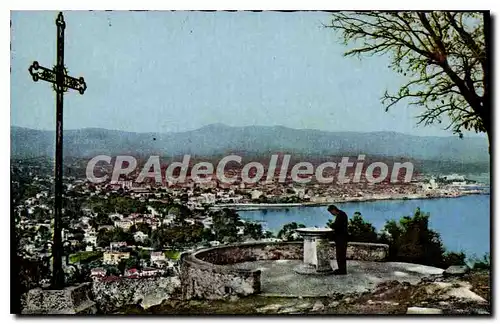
{"x":74,"y":83}
{"x":39,"y":72}
{"x":42,"y":73}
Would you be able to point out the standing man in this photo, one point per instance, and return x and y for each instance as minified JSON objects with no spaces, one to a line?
{"x":340,"y":238}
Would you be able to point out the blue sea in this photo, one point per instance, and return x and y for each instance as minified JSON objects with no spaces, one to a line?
{"x":463,"y":223}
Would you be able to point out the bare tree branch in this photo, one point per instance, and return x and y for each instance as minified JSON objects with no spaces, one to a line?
{"x":442,"y":53}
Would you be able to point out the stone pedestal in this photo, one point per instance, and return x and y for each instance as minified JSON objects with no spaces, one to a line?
{"x":316,"y":247}
{"x":70,"y":300}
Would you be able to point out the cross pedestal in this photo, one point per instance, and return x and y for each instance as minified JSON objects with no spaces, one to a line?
{"x":73,"y":300}
{"x":316,"y":247}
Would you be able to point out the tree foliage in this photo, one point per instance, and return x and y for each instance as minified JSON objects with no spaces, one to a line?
{"x":180,"y":211}
{"x":359,"y":230}
{"x":225,"y":225}
{"x":288,"y":233}
{"x":178,"y":235}
{"x":443,"y":54}
{"x":483,"y":263}
{"x":411,"y":240}
{"x":105,"y":237}
{"x":253,"y":230}
{"x":117,"y":204}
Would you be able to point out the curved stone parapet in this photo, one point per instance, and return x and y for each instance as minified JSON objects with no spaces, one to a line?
{"x":364,"y":251}
{"x":204,"y":274}
{"x":204,"y":280}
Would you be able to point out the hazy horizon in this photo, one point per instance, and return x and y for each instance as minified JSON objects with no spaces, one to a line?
{"x":468,"y":135}
{"x":158,"y":71}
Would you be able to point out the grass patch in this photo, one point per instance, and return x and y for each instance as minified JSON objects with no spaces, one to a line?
{"x":174,"y":255}
{"x":85,"y":256}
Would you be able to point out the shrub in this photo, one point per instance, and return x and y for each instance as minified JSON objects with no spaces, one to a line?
{"x":481,"y":264}
{"x":360,"y":230}
{"x":287,"y":233}
{"x":411,"y":240}
{"x":252,"y":230}
{"x":453,"y":258}
{"x":225,"y":225}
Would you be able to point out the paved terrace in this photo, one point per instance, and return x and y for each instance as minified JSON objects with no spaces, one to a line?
{"x":278,"y":277}
{"x":268,"y":268}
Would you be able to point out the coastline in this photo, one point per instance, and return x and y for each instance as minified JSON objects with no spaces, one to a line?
{"x":328,"y":201}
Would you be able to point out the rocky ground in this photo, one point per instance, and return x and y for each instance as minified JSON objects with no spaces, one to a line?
{"x":454,"y":292}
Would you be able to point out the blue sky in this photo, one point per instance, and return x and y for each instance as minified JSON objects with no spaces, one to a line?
{"x":176,"y":71}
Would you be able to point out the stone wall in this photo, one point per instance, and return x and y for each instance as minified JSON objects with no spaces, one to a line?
{"x":68,"y":301}
{"x":203,"y":280}
{"x":364,"y":251}
{"x":205,"y":276}
{"x":110,"y":294}
{"x":245,"y":252}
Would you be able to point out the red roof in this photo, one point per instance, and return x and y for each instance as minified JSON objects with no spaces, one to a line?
{"x":110,"y":278}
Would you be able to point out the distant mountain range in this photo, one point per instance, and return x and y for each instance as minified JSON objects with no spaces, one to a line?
{"x":219,"y":139}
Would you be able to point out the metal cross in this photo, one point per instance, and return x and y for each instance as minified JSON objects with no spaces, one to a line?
{"x":61,"y":81}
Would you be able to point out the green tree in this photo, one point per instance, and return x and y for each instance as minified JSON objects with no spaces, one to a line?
{"x":104,"y":238}
{"x":144,"y":227}
{"x":183,"y":234}
{"x":411,"y":240}
{"x":40,"y":214}
{"x":122,"y":266}
{"x":119,"y":235}
{"x":147,"y":242}
{"x":132,"y":262}
{"x":103,"y":219}
{"x":180,"y":211}
{"x":481,"y":264}
{"x":45,"y":234}
{"x":144,"y":254}
{"x":177,"y":235}
{"x":268,"y":234}
{"x":287,"y":233}
{"x":442,"y":54}
{"x":207,"y":235}
{"x":453,"y":258}
{"x":225,"y":224}
{"x":252,"y":230}
{"x":79,"y":236}
{"x":359,"y":230}
{"x":158,"y":238}
{"x":93,"y":224}
{"x":113,"y":271}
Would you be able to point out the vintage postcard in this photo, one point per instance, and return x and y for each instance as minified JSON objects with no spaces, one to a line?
{"x":250,"y":162}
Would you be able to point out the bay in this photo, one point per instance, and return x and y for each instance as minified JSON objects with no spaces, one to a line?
{"x":463,"y":222}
